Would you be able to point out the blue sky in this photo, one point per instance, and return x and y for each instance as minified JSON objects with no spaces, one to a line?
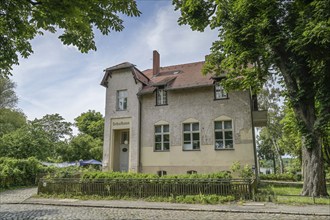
{"x":59,"y":79}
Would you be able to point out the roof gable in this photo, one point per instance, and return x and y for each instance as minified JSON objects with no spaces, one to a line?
{"x":137,"y":74}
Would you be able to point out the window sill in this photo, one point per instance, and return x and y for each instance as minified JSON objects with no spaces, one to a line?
{"x":161,"y":151}
{"x":121,"y":110}
{"x":220,"y":149}
{"x":161,"y":105}
{"x":192,"y":150}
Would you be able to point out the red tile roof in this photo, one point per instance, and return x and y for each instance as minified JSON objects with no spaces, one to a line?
{"x":172,"y":77}
{"x":179,"y":76}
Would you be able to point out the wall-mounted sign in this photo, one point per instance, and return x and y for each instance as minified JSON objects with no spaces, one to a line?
{"x":120,"y":123}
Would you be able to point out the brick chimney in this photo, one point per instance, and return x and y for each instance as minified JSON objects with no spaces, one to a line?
{"x":155,"y":62}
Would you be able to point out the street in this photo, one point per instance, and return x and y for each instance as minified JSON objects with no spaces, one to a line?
{"x":19,"y":204}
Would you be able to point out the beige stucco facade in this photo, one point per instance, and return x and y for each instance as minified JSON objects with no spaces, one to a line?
{"x":116,"y":121}
{"x":194,"y":104}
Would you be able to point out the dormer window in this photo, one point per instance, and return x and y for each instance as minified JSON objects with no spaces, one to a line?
{"x":219,"y":91}
{"x":161,"y":96}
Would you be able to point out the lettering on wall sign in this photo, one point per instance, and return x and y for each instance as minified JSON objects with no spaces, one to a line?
{"x":120,"y":123}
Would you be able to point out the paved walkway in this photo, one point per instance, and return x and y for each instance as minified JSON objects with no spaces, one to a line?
{"x":17,"y":195}
{"x":21,"y":199}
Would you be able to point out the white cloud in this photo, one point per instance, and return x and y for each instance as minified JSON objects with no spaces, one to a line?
{"x":59,"y":79}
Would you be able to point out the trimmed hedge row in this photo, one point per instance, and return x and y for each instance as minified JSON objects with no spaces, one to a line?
{"x":20,"y":172}
{"x":118,"y":175}
{"x":92,"y":174}
{"x":280,"y":177}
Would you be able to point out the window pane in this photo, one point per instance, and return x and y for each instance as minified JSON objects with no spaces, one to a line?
{"x":186,"y":137}
{"x":158,"y":138}
{"x":166,"y":128}
{"x":195,"y":126}
{"x":228,"y":135}
{"x":158,"y":129}
{"x":161,"y":97}
{"x":166,"y":146}
{"x":196,"y":136}
{"x":229,"y":143}
{"x":158,"y":146}
{"x":218,"y":135}
{"x":219,"y":144}
{"x":187,"y":146}
{"x":122,"y":94}
{"x":122,"y":100}
{"x":196,"y":145}
{"x":218,"y":125}
{"x":166,"y":138}
{"x":218,"y":95}
{"x":227,"y":124}
{"x":124,"y":104}
{"x":186,"y":127}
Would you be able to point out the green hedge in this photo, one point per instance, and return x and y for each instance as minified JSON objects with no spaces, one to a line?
{"x":19,"y":172}
{"x":119,"y":175}
{"x":280,"y":177}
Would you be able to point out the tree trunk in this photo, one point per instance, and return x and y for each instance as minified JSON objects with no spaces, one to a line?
{"x":299,"y":83}
{"x":313,"y":172}
{"x":274,"y":163}
{"x":277,"y":151}
{"x":281,"y":164}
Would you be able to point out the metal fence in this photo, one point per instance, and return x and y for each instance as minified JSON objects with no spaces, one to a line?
{"x":142,"y":188}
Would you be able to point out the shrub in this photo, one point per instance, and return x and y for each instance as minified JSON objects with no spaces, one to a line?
{"x":94,"y":175}
{"x":203,"y":199}
{"x":19,"y":172}
{"x":245,"y":172}
{"x":282,"y":177}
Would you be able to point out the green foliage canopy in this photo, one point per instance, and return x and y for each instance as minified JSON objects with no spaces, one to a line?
{"x":8,"y":98}
{"x":25,"y":142}
{"x":55,"y":126}
{"x":258,"y":38}
{"x":23,"y":20}
{"x":10,"y":120}
{"x":85,"y":147}
{"x":91,"y":123}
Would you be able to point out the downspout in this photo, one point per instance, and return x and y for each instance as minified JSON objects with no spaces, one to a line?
{"x":254,"y":138}
{"x":139,"y":136}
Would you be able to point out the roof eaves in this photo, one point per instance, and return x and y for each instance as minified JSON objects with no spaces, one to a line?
{"x":148,"y":91}
{"x":137,"y":72}
{"x":189,"y":87}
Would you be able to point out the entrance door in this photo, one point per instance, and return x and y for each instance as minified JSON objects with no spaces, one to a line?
{"x":124,"y":151}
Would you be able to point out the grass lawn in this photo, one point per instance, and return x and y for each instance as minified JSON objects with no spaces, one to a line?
{"x":291,"y":195}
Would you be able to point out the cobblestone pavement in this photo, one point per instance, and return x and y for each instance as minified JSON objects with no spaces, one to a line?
{"x":17,"y":195}
{"x":28,"y":211}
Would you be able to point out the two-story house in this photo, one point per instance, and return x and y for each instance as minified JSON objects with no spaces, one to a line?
{"x":174,"y":120}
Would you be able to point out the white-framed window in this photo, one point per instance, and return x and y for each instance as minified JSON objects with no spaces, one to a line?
{"x":191,"y":172}
{"x":121,"y":100}
{"x":161,"y":96}
{"x":162,"y":137}
{"x":161,"y":173}
{"x":223,"y":133}
{"x":219,"y":91}
{"x":191,"y":140}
